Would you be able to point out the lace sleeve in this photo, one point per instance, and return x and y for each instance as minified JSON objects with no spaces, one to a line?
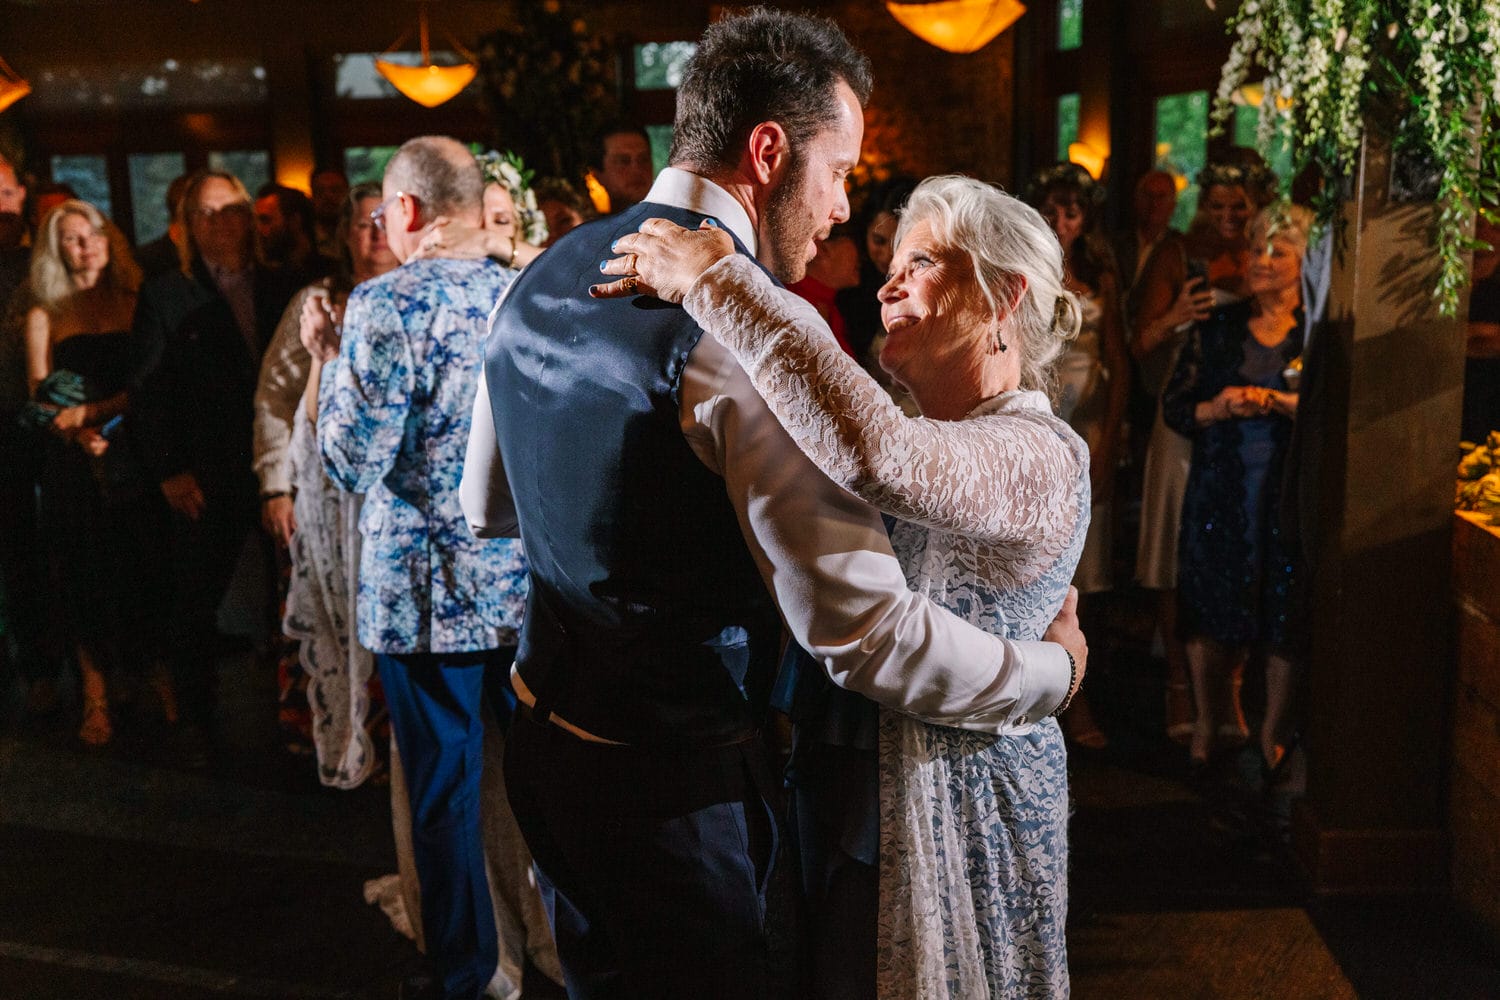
{"x":1006,"y":477}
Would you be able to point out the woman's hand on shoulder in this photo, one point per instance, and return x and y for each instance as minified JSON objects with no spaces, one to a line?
{"x":444,"y":238}
{"x":663,"y":259}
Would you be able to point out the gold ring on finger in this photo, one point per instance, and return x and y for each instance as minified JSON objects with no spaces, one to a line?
{"x":631,"y":283}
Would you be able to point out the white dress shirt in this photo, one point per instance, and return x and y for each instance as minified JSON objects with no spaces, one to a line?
{"x":824,"y":554}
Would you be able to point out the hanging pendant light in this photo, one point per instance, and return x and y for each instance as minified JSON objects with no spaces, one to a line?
{"x":12,"y":87}
{"x":428,"y":84}
{"x":957,"y":25}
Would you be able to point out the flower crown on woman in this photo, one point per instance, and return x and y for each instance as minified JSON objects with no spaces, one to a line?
{"x":1066,"y":174}
{"x":507,"y":170}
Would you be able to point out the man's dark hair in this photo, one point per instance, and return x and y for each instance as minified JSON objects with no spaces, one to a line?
{"x":294,"y":205}
{"x":617,"y":127}
{"x":762,"y":66}
{"x":328,"y":168}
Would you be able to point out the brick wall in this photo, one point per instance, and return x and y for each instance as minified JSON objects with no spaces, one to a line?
{"x":933,"y":111}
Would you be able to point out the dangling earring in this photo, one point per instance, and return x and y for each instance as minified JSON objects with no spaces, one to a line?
{"x":998,"y":340}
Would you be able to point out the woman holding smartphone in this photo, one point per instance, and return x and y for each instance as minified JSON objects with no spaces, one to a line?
{"x":1184,"y":278}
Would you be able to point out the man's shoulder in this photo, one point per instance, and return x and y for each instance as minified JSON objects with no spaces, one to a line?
{"x":173,"y":293}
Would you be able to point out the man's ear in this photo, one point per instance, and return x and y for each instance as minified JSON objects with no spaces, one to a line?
{"x":414,"y":221}
{"x":769,"y":151}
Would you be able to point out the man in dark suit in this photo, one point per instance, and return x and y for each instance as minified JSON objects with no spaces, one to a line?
{"x":667,"y":516}
{"x":205,"y":330}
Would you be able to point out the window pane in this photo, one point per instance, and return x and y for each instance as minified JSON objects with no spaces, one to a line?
{"x":1067,"y":124}
{"x":1069,"y":24}
{"x":191,"y":83}
{"x":659,"y":65}
{"x":661,"y":146}
{"x":88,"y":175}
{"x":150,"y":176}
{"x":367,"y":163}
{"x":1182,"y":146}
{"x":251,"y":166}
{"x":1246,"y":122}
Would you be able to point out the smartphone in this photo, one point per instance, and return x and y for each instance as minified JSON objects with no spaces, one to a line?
{"x":1197,"y":270}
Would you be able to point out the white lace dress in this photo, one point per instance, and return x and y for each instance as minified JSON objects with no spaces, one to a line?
{"x":320,"y":612}
{"x":973,"y":853}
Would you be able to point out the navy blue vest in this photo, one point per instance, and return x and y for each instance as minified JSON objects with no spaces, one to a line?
{"x":647,"y":621}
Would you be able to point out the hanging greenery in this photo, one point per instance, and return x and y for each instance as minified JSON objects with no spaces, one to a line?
{"x":1426,"y":74}
{"x":550,"y":86}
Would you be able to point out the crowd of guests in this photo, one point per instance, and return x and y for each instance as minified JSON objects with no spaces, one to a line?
{"x":1199,"y":486}
{"x":295,"y":377}
{"x":164,"y":416}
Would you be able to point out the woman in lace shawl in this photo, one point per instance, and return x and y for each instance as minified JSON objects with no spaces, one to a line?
{"x":992,"y":493}
{"x":304,"y":511}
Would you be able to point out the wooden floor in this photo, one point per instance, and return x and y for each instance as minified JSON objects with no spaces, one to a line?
{"x":122,"y":876}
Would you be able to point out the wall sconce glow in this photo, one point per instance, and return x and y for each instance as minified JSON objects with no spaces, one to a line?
{"x":1086,"y":156}
{"x":428,"y":84}
{"x":1254,"y":94}
{"x":957,"y":25}
{"x":12,"y":87}
{"x":597,"y":194}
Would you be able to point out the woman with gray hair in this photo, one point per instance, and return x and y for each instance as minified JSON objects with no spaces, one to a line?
{"x":993,"y":496}
{"x":1233,"y":393}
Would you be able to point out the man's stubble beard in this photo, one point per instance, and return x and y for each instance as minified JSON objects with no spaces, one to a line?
{"x":785,"y":238}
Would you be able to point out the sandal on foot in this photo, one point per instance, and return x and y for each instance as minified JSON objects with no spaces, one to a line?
{"x":96,"y":729}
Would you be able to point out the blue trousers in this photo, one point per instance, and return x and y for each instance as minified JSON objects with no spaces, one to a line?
{"x":435,"y":702}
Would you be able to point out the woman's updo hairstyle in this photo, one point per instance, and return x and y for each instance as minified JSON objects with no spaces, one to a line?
{"x":1012,"y":248}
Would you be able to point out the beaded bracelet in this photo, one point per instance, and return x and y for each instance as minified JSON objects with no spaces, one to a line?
{"x":1072,"y":681}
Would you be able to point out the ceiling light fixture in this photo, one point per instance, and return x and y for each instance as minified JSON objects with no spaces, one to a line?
{"x":12,"y":87}
{"x":428,"y":83}
{"x":957,"y":25}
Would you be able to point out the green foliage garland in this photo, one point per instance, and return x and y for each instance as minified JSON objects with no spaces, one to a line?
{"x":1426,"y":74}
{"x":550,"y":86}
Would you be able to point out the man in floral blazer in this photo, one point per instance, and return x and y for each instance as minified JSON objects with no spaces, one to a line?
{"x":436,"y":605}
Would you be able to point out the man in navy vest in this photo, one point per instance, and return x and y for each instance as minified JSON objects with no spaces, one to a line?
{"x":667,"y":518}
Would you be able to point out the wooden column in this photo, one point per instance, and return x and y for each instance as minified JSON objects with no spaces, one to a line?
{"x":1474,"y":798}
{"x":1380,"y":419}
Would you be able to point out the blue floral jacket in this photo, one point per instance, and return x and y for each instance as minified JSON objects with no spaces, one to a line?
{"x":393,"y":422}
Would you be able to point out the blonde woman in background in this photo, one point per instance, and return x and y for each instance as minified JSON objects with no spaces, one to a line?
{"x":99,"y":518}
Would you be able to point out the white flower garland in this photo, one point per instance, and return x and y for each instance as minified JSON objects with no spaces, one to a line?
{"x":1329,"y":64}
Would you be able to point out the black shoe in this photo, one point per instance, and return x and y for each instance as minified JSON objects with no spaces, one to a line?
{"x":194,"y":747}
{"x":420,"y":985}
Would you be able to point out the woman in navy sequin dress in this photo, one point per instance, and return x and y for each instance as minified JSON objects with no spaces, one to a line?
{"x":1230,"y":394}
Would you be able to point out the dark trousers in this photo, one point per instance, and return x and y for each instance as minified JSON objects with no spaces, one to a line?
{"x":204,"y":555}
{"x":835,"y":817}
{"x":436,"y":702}
{"x":664,"y":871}
{"x":24,"y":587}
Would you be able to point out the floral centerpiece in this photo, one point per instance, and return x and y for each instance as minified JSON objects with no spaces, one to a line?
{"x":1426,"y":74}
{"x":550,"y":86}
{"x":1479,"y":477}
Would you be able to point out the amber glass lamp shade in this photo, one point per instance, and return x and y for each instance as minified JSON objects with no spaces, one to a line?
{"x":957,"y":25}
{"x":428,"y":85}
{"x":12,"y":87}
